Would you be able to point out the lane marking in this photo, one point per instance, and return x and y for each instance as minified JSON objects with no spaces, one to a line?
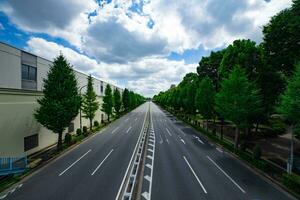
{"x":128,"y":129}
{"x":135,"y":119}
{"x":182,"y":132}
{"x":126,"y":119}
{"x":219,"y":150}
{"x":131,"y":159}
{"x":195,"y":175}
{"x":182,"y":141}
{"x":75,"y":162}
{"x":226,"y":174}
{"x":200,"y":141}
{"x":115,"y":130}
{"x":167,"y":140}
{"x":2,"y":197}
{"x":146,"y":195}
{"x":168,"y":132}
{"x":102,"y":162}
{"x":161,"y":140}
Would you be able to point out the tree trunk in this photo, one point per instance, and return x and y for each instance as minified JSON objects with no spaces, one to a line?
{"x":207,"y":125}
{"x":214,"y":125}
{"x":221,"y":131}
{"x":108,"y":118}
{"x":91,"y":124}
{"x":236,"y":138}
{"x":256,"y":128}
{"x":59,"y":142}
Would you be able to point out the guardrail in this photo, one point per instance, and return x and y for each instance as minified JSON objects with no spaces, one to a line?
{"x":12,"y":165}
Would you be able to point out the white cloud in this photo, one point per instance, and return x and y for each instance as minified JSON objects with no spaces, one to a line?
{"x":147,"y":76}
{"x":119,"y":44}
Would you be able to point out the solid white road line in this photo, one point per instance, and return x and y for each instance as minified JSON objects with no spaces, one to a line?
{"x":168,"y":132}
{"x":102,"y":162}
{"x":2,"y":197}
{"x":128,"y":129}
{"x":226,"y":174}
{"x":195,"y":175}
{"x":115,"y":130}
{"x":74,"y":162}
{"x":182,"y":141}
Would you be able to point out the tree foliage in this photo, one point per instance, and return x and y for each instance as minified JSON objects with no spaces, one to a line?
{"x":90,"y":104}
{"x":117,"y":101}
{"x":61,"y":101}
{"x":107,"y":105}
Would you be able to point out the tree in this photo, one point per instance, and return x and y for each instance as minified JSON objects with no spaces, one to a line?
{"x":117,"y":101}
{"x":132,"y":100}
{"x":61,"y":101}
{"x":90,"y":105}
{"x":281,"y":39}
{"x":237,"y":100}
{"x":290,"y":101}
{"x":205,"y":99}
{"x":107,"y":105}
{"x":126,"y":99}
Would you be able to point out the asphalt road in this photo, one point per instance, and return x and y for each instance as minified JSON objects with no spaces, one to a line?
{"x":187,"y":167}
{"x":93,"y":170}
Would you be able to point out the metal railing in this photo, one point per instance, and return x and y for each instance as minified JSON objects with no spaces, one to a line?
{"x":12,"y":165}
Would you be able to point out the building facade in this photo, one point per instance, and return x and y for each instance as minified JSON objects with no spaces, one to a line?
{"x":21,"y":84}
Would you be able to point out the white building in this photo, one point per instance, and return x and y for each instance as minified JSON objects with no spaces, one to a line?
{"x":21,"y":83}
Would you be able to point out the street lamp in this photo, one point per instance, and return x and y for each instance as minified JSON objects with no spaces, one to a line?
{"x":80,"y":120}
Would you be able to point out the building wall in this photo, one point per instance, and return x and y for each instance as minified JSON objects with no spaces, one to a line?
{"x":17,"y":106}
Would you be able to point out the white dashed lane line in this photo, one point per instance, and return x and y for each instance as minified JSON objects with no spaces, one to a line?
{"x":128,"y":129}
{"x":195,"y":175}
{"x":115,"y":130}
{"x":182,"y":141}
{"x":74,"y":162}
{"x":101,"y":162}
{"x":168,"y":132}
{"x":237,"y":185}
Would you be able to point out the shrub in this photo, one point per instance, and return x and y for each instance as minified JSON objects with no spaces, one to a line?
{"x":256,"y":152}
{"x":68,"y":138}
{"x":96,"y":123}
{"x":85,"y":130}
{"x":292,"y":181}
{"x":78,"y":131}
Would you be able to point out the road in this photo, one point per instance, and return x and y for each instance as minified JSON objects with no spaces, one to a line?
{"x":187,"y":167}
{"x":184,"y":166}
{"x":93,"y":170}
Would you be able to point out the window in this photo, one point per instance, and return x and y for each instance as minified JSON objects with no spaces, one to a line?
{"x":31,"y":142}
{"x":29,"y":76}
{"x":28,"y":73}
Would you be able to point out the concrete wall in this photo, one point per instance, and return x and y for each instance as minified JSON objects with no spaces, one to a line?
{"x":17,"y":106}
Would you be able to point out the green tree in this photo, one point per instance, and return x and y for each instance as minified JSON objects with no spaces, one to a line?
{"x":290,"y":100}
{"x":61,"y":101}
{"x":281,"y":39}
{"x":107,"y":105}
{"x":126,"y":99}
{"x":237,"y":100}
{"x":117,"y":101}
{"x":132,"y":100}
{"x":205,"y":99}
{"x":90,"y":105}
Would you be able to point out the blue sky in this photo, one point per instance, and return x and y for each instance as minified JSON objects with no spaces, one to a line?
{"x":144,"y":45}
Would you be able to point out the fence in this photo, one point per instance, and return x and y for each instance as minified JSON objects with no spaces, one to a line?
{"x":12,"y":165}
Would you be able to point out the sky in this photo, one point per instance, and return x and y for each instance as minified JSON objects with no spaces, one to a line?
{"x":144,"y":45}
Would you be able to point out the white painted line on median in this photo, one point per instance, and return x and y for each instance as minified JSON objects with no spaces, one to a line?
{"x":195,"y":175}
{"x":128,"y":129}
{"x":226,"y":174}
{"x":74,"y":162}
{"x":182,"y":141}
{"x":115,"y":130}
{"x":168,"y":132}
{"x":102,"y":162}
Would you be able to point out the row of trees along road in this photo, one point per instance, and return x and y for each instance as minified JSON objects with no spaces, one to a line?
{"x":246,"y":83}
{"x":61,"y":101}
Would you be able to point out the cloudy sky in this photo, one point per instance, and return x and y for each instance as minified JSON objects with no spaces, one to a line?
{"x":145,"y":45}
